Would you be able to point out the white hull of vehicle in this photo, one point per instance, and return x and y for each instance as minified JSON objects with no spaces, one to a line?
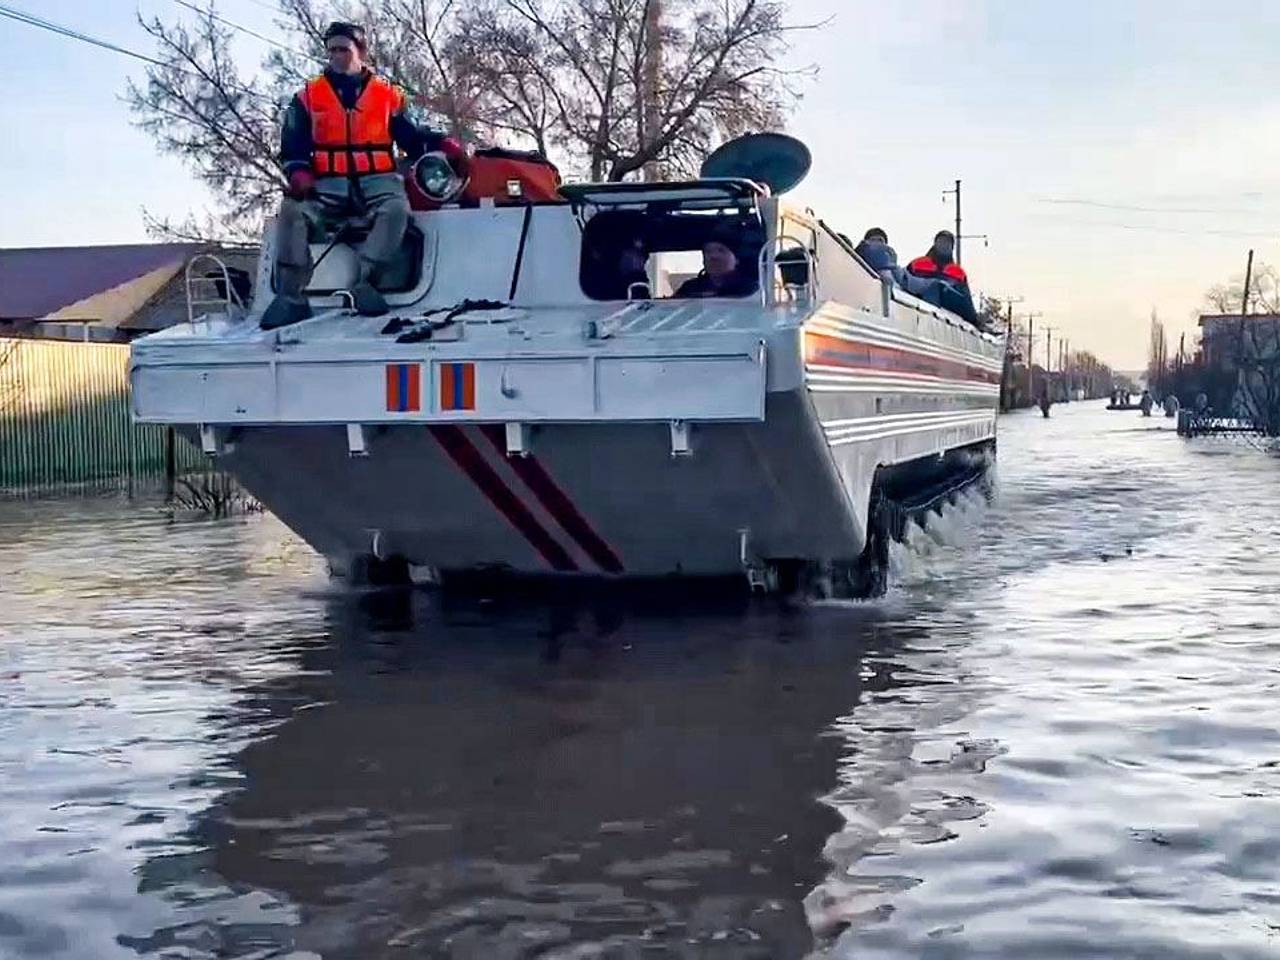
{"x":646,"y":439}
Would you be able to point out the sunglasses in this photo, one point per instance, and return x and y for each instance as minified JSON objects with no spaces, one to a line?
{"x":341,"y":48}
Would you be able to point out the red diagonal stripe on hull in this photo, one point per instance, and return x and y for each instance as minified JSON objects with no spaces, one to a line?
{"x":557,"y":503}
{"x":464,"y":453}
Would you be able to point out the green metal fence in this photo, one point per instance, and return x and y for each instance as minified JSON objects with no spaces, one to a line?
{"x":64,"y":422}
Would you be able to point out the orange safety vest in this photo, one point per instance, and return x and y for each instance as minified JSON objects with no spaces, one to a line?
{"x":352,"y":142}
{"x":926,"y":267}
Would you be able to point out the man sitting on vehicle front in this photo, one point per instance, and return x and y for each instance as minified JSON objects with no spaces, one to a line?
{"x":721,"y":275}
{"x":338,"y":149}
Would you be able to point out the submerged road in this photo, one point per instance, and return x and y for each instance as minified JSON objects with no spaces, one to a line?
{"x":1057,"y":737}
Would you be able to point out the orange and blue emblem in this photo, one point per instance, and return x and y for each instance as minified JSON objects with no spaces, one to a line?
{"x":404,"y":387}
{"x":457,"y":386}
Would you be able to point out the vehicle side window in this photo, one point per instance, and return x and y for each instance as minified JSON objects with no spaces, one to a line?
{"x":642,"y":254}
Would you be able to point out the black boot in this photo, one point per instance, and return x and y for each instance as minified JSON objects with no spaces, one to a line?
{"x":368,"y":301}
{"x":284,"y":311}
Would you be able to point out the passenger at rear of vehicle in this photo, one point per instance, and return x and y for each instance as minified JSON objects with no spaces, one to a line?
{"x":875,"y":252}
{"x":937,"y":278}
{"x":722,"y":271}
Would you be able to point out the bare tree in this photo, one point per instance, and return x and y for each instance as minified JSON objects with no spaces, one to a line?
{"x":607,"y":88}
{"x":1264,"y":292}
{"x":199,"y":108}
{"x":1157,"y":354}
{"x":1258,"y":363}
{"x":1090,"y":374}
{"x":623,"y":86}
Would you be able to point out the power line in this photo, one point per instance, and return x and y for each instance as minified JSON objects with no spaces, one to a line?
{"x":1072,"y":201}
{"x":21,"y":16}
{"x":246,"y":30}
{"x":1155,"y":229}
{"x":266,"y":5}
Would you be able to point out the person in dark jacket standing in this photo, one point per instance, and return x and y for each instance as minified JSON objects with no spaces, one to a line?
{"x":338,"y":146}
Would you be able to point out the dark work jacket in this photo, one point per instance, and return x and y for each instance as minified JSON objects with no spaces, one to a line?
{"x":295,"y":136}
{"x":700,"y":286}
{"x":877,"y":256}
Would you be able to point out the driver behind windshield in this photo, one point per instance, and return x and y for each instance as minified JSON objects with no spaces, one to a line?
{"x":724,"y":274}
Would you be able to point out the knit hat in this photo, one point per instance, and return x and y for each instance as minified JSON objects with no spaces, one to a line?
{"x":352,"y":31}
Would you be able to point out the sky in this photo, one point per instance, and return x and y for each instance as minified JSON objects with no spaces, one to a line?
{"x":1121,"y":157}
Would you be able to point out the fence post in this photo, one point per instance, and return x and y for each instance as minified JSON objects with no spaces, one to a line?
{"x":170,"y":463}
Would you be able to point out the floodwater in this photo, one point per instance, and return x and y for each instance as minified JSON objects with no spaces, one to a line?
{"x":1058,"y":737}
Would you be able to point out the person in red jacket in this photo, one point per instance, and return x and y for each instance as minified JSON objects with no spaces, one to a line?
{"x":939,"y":263}
{"x":338,"y":146}
{"x":952,"y":287}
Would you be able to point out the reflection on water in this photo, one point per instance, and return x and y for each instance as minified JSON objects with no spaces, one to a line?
{"x":1056,"y":738}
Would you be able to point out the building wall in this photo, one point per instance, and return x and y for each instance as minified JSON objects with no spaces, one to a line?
{"x":64,"y":420}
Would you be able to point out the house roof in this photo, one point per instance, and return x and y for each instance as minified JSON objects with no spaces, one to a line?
{"x":38,"y":281}
{"x":1209,"y":319}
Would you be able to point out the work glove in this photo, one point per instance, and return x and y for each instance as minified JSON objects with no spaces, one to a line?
{"x":456,"y":154}
{"x":301,"y":182}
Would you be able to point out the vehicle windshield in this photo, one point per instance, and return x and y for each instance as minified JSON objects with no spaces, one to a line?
{"x":662,"y":252}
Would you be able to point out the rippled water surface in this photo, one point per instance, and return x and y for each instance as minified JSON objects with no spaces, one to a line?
{"x":1056,"y":738}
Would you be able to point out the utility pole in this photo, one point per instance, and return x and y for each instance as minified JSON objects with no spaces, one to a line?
{"x":1248,"y":279}
{"x":956,"y":191}
{"x":961,"y":236}
{"x":1065,"y":367}
{"x":1006,"y":374}
{"x":986,"y":241}
{"x":1031,"y":343}
{"x":1048,"y":360}
{"x":1008,"y":324}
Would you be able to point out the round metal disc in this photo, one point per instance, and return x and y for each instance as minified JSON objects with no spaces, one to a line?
{"x":773,"y":159}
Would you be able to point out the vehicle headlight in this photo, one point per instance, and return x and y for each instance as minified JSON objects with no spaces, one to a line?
{"x":436,"y":177}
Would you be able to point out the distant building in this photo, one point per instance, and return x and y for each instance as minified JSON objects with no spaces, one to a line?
{"x":66,"y":317}
{"x":1240,"y":364}
{"x":104,"y":294}
{"x":1225,"y":338}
